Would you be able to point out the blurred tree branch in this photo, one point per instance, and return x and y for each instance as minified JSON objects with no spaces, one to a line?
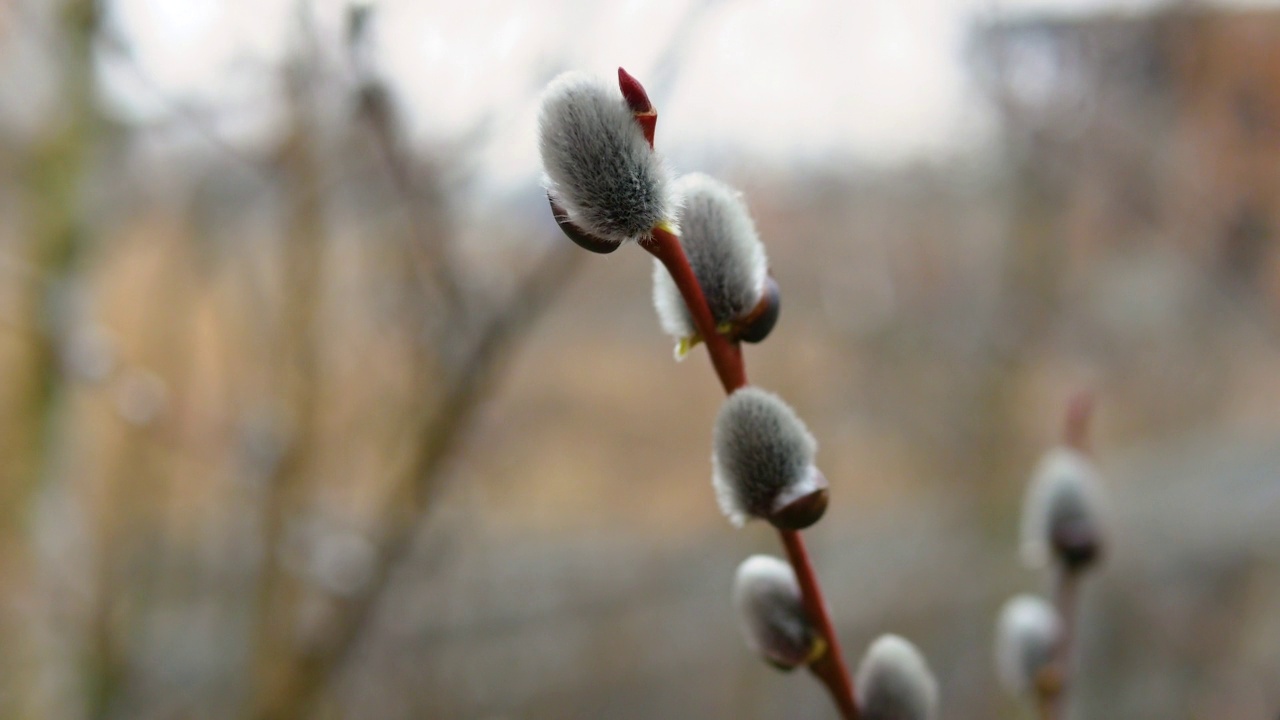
{"x":472,"y":342}
{"x":297,"y":374}
{"x":54,"y":174}
{"x":443,"y":427}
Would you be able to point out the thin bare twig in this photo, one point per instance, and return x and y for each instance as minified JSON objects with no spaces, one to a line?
{"x":317,"y":665}
{"x":428,"y":247}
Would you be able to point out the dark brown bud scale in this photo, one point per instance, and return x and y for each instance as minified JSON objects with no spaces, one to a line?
{"x":802,"y":505}
{"x":757,"y":325}
{"x":1076,"y":543}
{"x":580,"y":237}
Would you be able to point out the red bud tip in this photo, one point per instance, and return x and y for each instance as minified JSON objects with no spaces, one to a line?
{"x":638,"y":100}
{"x":1075,"y":429}
{"x":633,"y":92}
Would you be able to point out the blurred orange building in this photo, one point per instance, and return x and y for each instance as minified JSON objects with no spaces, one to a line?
{"x":1157,"y":126}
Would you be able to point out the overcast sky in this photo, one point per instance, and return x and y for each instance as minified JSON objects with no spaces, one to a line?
{"x":877,"y":80}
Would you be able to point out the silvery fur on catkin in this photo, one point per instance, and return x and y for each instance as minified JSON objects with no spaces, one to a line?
{"x":770,"y":611}
{"x":1026,"y":635}
{"x":598,"y":165}
{"x":895,"y":683}
{"x":1064,"y":488}
{"x":760,"y":448}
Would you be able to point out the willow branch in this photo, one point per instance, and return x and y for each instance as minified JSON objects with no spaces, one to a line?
{"x":727,"y":359}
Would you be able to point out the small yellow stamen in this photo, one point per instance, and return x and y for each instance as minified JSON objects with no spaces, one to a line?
{"x":816,"y":651}
{"x":685,"y":345}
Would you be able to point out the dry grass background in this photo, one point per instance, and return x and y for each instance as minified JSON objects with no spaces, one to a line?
{"x":256,"y":462}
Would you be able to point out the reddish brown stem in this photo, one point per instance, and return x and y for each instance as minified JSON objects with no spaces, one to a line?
{"x":726,"y":357}
{"x":1075,"y":426}
{"x":1053,"y":699}
{"x":830,"y":667}
{"x":1066,"y":580}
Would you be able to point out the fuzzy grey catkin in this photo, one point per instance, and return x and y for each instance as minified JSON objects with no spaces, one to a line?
{"x":894,"y":682}
{"x":1026,"y":634}
{"x":598,"y":165}
{"x":720,"y":239}
{"x":761,"y":451}
{"x":771,"y":612}
{"x":1062,"y":515}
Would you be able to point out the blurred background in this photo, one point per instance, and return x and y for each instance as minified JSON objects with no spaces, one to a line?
{"x":308,"y":410}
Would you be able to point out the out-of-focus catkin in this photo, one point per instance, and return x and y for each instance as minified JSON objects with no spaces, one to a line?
{"x":894,"y":682}
{"x":771,"y":612}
